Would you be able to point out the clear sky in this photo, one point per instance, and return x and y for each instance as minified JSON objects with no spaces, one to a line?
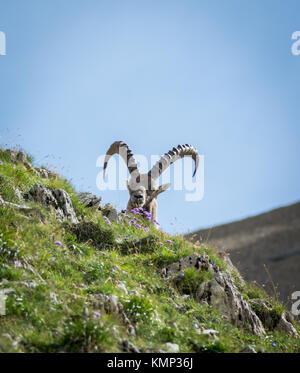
{"x":220,"y":75}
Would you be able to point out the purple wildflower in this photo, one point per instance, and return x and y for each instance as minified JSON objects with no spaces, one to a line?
{"x":97,"y":314}
{"x":274,"y":344}
{"x":138,"y":226}
{"x":156,"y":222}
{"x":170,"y":242}
{"x":182,"y":274}
{"x":160,"y":254}
{"x":58,"y":243}
{"x":213,"y":263}
{"x":160,"y":243}
{"x":146,"y":229}
{"x":131,"y":221}
{"x":45,"y":283}
{"x":107,"y":220}
{"x":17,"y":263}
{"x":128,"y":216}
{"x":1,"y":162}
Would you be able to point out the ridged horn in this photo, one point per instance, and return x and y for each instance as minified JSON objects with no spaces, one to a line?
{"x":173,"y":155}
{"x":121,"y":148}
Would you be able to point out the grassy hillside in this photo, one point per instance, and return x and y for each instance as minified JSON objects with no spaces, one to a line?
{"x":59,"y":273}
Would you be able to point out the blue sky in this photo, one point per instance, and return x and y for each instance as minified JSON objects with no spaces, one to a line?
{"x":220,"y":75}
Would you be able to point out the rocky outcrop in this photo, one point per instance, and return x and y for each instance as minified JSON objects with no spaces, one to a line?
{"x":223,"y":295}
{"x":272,"y":319}
{"x":90,"y":200}
{"x":19,"y":156}
{"x":199,"y":262}
{"x":45,"y":173}
{"x":57,"y":199}
{"x":220,"y":292}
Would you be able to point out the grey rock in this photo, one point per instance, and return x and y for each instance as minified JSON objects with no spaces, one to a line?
{"x":223,"y":295}
{"x":122,"y":287}
{"x":185,"y":296}
{"x":18,"y":194}
{"x":172,"y":347}
{"x":220,"y":292}
{"x":45,"y":173}
{"x":154,"y":351}
{"x":210,"y":332}
{"x":65,"y":202}
{"x":111,"y":212}
{"x":16,"y":206}
{"x":249,"y":350}
{"x":199,"y":262}
{"x":131,"y":331}
{"x":115,"y":331}
{"x":116,"y":268}
{"x":90,"y":200}
{"x":27,"y":284}
{"x":54,"y":298}
{"x":111,"y":305}
{"x":286,"y":326}
{"x":21,"y":157}
{"x":129,"y":347}
{"x":18,"y":156}
{"x":58,"y":199}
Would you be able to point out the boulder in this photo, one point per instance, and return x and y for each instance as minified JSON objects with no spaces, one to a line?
{"x":111,"y":212}
{"x":18,"y":156}
{"x":172,"y":347}
{"x":249,"y":350}
{"x":285,"y":325}
{"x":57,"y":199}
{"x":129,"y":347}
{"x":45,"y":173}
{"x":89,"y":200}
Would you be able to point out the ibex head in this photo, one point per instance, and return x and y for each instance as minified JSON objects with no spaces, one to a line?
{"x":143,"y":189}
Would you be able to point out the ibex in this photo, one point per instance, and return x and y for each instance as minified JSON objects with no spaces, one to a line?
{"x":143,"y":189}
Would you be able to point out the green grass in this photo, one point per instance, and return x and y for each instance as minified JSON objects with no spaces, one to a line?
{"x":54,"y":288}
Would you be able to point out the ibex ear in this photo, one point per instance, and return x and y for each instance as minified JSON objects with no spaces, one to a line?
{"x":163,"y":188}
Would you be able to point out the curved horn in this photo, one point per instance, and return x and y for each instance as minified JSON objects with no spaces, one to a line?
{"x":119,"y":147}
{"x":168,"y":158}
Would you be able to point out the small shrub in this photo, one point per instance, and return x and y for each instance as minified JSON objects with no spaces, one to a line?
{"x":188,"y":281}
{"x":138,"y":309}
{"x":101,"y":238}
{"x":84,"y":335}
